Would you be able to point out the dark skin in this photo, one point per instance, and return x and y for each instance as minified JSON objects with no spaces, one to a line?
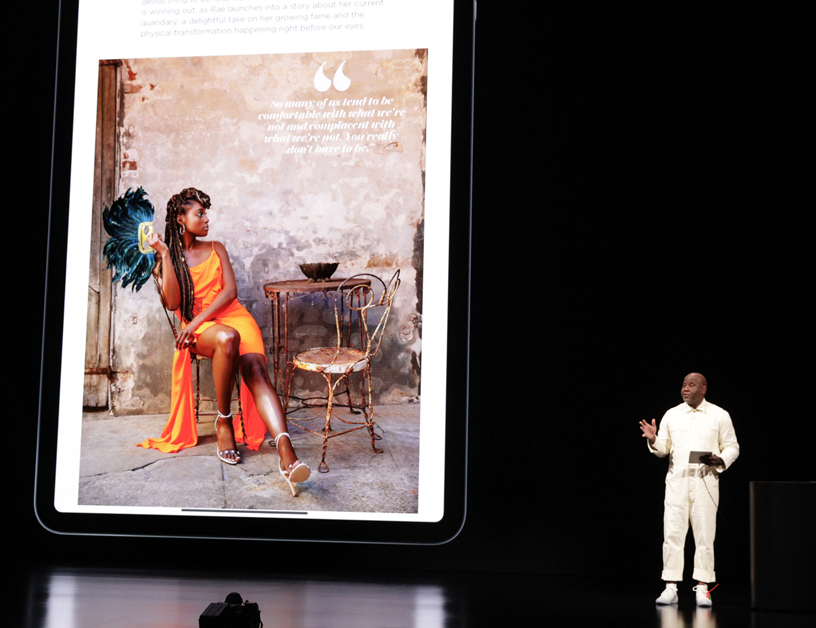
{"x":221,"y":342}
{"x":693,"y":392}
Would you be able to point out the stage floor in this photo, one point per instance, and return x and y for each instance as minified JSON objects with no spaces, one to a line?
{"x":74,"y":598}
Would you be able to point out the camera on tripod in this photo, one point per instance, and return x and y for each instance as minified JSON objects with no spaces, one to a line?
{"x":233,"y":612}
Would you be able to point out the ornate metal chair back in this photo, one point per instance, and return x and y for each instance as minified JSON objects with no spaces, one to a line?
{"x":373,"y":299}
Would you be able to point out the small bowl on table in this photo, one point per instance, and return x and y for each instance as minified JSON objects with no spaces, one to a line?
{"x":319,"y":272}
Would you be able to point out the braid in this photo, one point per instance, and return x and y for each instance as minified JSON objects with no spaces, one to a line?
{"x":175,"y":207}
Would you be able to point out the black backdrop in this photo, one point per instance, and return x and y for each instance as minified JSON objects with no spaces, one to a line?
{"x":637,"y":215}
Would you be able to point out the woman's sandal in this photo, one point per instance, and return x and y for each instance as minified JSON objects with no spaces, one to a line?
{"x":235,"y":453}
{"x":297,"y":472}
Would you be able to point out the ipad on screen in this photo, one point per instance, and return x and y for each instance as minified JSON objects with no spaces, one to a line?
{"x":257,"y":298}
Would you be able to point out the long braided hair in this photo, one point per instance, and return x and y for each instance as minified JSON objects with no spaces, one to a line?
{"x":172,"y":235}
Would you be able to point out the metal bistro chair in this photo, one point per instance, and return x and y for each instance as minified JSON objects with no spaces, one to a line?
{"x":336,"y":363}
{"x":196,"y":360}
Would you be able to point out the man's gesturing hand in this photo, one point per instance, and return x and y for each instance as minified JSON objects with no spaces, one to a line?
{"x":649,"y":430}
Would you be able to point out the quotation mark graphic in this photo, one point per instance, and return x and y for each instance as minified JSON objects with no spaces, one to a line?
{"x":341,"y":81}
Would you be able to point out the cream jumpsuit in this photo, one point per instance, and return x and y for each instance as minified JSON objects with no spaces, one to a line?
{"x":692,"y":490}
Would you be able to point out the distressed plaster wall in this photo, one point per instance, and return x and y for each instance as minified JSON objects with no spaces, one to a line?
{"x":198,"y":122}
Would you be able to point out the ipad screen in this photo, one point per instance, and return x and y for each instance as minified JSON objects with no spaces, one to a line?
{"x":314,"y":139}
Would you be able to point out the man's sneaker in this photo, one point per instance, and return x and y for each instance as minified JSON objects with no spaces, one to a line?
{"x":703,"y":595}
{"x":669,"y":595}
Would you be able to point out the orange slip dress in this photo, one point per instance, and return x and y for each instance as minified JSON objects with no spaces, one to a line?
{"x":180,"y":431}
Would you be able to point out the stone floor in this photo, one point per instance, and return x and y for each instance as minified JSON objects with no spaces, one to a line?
{"x":114,"y":472}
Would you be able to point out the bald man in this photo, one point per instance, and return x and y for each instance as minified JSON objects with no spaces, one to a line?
{"x":692,"y":486}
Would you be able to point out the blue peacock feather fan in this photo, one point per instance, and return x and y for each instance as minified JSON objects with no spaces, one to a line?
{"x":128,"y":222}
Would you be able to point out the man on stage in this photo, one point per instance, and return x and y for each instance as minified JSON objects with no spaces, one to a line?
{"x":692,"y":486}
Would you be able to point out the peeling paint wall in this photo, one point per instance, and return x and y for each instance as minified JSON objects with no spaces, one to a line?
{"x":206,"y":122}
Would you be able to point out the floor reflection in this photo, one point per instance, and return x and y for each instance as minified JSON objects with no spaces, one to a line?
{"x":101,"y":599}
{"x":80,"y":598}
{"x":672,"y":617}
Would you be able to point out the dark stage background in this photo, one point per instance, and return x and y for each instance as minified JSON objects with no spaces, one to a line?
{"x":637,"y":215}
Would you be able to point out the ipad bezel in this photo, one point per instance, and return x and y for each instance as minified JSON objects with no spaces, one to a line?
{"x":255,"y":528}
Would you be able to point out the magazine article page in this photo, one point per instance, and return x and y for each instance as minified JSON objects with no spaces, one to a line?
{"x":259,"y":207}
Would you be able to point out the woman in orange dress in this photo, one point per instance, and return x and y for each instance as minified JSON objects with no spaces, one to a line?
{"x":197,"y":282}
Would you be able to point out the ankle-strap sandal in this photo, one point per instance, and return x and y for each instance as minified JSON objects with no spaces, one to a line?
{"x":297,"y":472}
{"x":236,"y":455}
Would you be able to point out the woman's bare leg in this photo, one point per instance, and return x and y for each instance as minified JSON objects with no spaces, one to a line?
{"x":256,"y":377}
{"x":221,"y":343}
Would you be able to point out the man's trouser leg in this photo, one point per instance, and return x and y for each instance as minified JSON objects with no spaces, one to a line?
{"x":675,"y":523}
{"x":704,"y":497}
